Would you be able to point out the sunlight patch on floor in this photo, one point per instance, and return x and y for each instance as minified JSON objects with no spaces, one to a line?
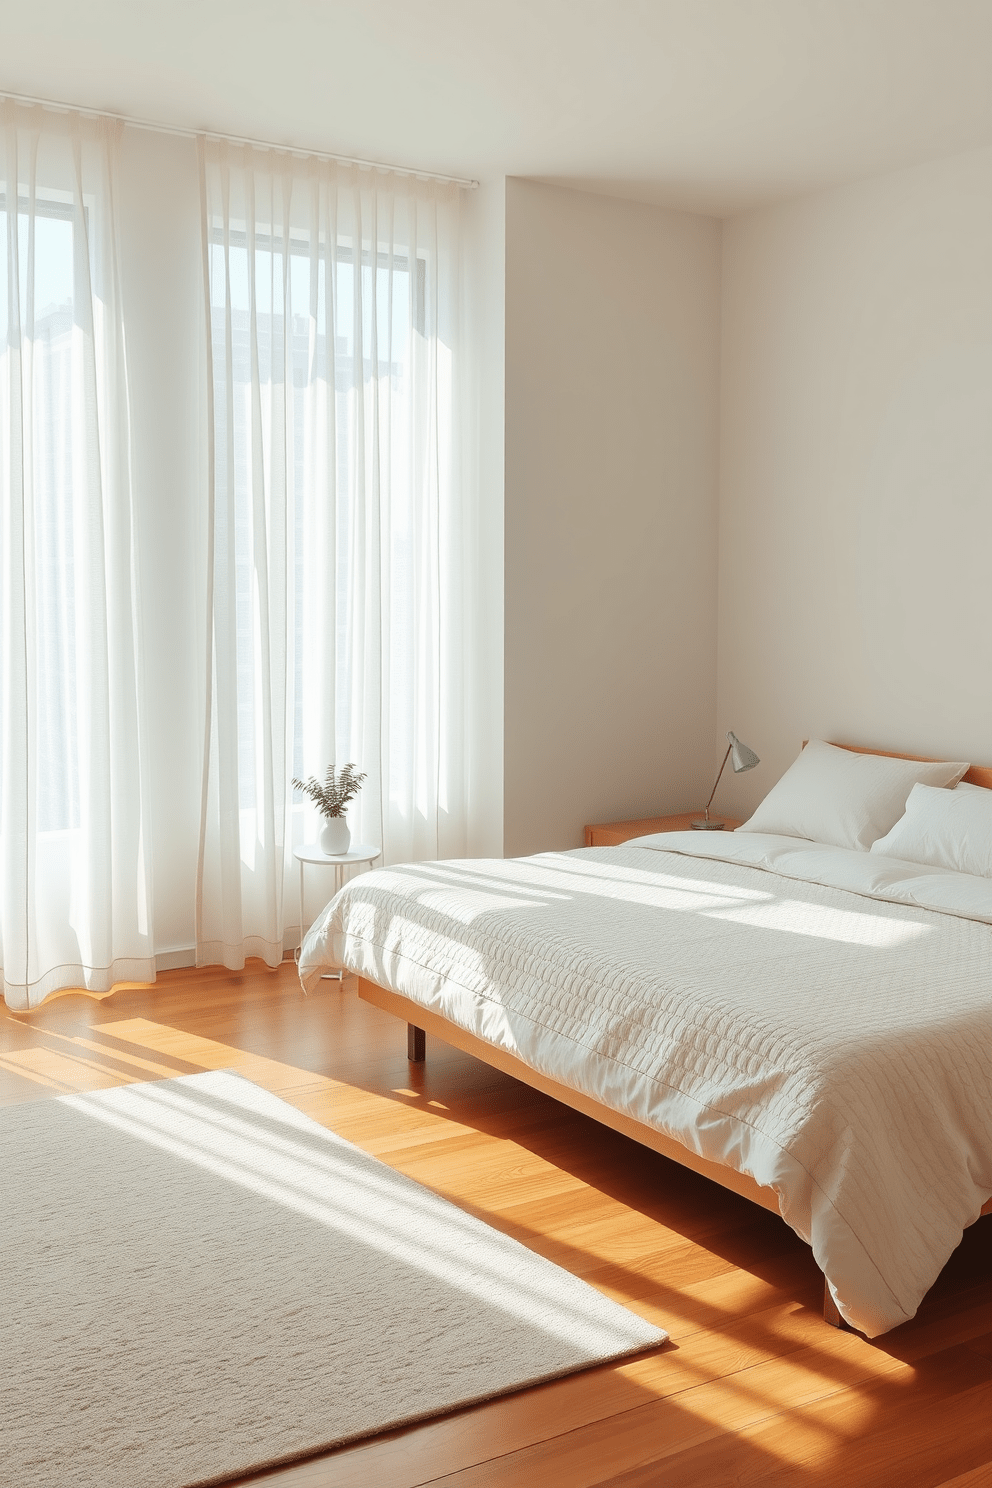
{"x":210,"y":1054}
{"x":24,"y":1063}
{"x":59,"y":1070}
{"x":140,"y":1064}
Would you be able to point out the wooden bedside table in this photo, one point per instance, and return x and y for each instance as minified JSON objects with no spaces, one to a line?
{"x":611,"y":834}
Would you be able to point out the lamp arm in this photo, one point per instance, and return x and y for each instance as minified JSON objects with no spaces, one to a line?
{"x":706,"y":812}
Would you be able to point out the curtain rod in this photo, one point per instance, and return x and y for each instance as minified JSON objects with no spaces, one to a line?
{"x":241,"y":139}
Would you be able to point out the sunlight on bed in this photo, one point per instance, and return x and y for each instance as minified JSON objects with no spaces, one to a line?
{"x":464,"y":904}
{"x":752,"y":908}
{"x":796,"y":917}
{"x":468,"y":904}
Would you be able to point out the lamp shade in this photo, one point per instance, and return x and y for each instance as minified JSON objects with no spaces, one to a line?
{"x":741,"y":757}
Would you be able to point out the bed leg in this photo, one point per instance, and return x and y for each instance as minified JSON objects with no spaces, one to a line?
{"x":831,"y":1312}
{"x":416,"y":1044}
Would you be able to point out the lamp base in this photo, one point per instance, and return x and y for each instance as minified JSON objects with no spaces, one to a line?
{"x":708,"y":826}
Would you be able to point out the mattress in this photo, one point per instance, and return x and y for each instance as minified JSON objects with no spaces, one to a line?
{"x":815,"y":1017}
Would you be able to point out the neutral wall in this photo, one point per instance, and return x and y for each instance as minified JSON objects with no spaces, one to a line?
{"x":856,"y":455}
{"x":612,"y":334}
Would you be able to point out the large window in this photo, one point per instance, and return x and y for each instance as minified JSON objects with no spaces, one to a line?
{"x":44,"y":312}
{"x":75,"y":870}
{"x":281,"y":328}
{"x":335,"y":571}
{"x":262,"y":575}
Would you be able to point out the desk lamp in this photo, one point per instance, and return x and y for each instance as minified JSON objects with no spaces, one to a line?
{"x":744,"y":759}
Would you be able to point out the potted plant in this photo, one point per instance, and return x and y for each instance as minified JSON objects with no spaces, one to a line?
{"x":330,"y":798}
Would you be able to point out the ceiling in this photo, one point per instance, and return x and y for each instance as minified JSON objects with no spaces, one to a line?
{"x":712,"y":105}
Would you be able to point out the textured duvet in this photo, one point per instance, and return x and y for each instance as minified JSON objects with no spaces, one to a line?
{"x":818,"y":1018}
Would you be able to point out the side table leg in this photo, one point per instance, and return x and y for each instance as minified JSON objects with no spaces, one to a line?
{"x":336,"y":976}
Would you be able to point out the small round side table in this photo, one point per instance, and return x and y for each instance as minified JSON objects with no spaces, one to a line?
{"x":359,"y":852}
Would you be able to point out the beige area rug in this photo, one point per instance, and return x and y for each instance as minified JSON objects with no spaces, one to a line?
{"x":200,"y":1281}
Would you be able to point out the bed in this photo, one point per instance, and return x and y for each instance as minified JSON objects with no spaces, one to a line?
{"x":807,"y":1023}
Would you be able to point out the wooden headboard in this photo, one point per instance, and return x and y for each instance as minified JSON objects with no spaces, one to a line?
{"x":976,"y":775}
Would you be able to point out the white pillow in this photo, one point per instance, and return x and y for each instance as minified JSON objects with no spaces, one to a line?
{"x":846,"y":799}
{"x":945,"y":829}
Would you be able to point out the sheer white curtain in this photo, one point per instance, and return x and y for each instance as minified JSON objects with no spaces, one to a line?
{"x":336,"y":592}
{"x":74,"y":879}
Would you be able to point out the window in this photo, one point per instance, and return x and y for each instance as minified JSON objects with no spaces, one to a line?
{"x":74,"y":826}
{"x":283,"y":322}
{"x":47,"y":270}
{"x":336,"y":531}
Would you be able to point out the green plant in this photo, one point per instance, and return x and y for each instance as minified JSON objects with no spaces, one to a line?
{"x":338,"y":788}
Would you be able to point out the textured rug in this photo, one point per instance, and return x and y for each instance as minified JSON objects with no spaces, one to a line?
{"x":200,"y":1281}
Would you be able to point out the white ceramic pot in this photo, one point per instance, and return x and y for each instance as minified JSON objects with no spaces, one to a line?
{"x":335,"y":836}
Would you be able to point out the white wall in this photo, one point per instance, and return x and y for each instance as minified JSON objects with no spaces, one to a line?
{"x":856,"y":459}
{"x":612,"y":336}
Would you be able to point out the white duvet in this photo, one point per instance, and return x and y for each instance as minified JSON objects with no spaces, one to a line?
{"x":818,"y":1018}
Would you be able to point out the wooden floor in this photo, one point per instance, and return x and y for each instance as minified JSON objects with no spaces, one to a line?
{"x":754,"y":1387}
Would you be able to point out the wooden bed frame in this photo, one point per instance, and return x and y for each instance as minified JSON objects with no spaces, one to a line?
{"x":420,"y":1021}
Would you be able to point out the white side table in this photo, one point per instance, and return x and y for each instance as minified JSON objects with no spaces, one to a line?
{"x":360,"y":852}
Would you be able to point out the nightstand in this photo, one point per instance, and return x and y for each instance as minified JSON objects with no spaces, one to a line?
{"x":611,"y":834}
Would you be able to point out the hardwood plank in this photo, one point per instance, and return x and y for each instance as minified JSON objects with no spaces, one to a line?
{"x":979,"y":1477}
{"x":828,"y":1433}
{"x":882,"y":1436}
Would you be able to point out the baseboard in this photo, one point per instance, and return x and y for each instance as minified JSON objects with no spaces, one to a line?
{"x":175,"y":959}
